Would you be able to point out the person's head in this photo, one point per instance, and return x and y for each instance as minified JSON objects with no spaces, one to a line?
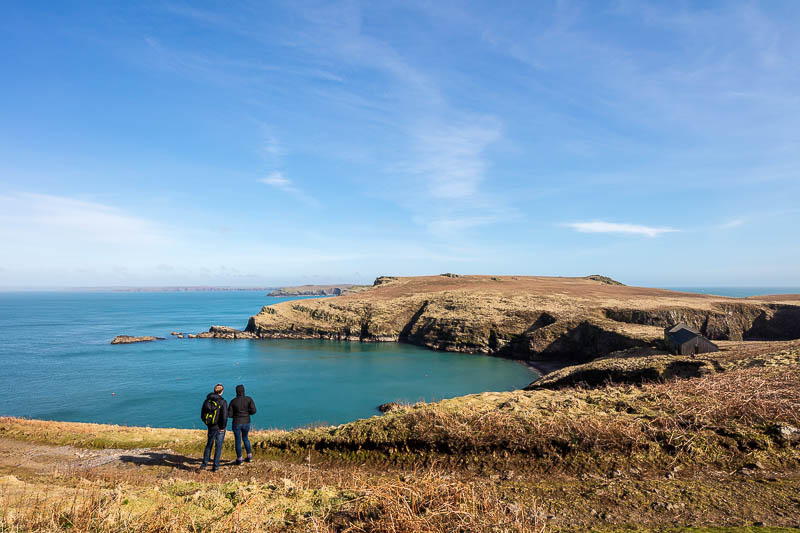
{"x":218,"y":388}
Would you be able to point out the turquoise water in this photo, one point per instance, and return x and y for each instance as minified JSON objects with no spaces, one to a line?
{"x":58,"y":364}
{"x":738,"y":292}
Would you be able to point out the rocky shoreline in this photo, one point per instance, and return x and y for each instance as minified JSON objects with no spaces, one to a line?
{"x":129,"y":339}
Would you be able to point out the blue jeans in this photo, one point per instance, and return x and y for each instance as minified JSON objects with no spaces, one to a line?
{"x":240,"y":431}
{"x":215,"y":436}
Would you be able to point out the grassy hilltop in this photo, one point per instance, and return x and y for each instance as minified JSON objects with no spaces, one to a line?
{"x":630,"y":441}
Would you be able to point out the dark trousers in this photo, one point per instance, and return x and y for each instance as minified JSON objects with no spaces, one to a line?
{"x":215,"y":438}
{"x":240,"y":432}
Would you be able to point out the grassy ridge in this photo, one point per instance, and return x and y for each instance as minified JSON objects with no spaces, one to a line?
{"x":722,"y":419}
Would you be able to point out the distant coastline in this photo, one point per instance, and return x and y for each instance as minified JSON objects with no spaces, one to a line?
{"x":188,"y":289}
{"x":198,"y":288}
{"x":315,"y":290}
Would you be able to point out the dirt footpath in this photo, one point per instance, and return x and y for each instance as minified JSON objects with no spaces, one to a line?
{"x":22,"y":455}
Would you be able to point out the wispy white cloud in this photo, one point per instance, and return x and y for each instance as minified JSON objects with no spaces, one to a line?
{"x":272,"y":147}
{"x":734,"y":223}
{"x":49,"y":240}
{"x":272,"y":152}
{"x":219,"y":69}
{"x":612,"y":227}
{"x":60,"y":221}
{"x":446,"y":224}
{"x":450,"y":158}
{"x":278,"y":181}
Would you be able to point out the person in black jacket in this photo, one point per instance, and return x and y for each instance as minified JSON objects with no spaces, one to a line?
{"x":240,"y":410}
{"x":216,"y":429}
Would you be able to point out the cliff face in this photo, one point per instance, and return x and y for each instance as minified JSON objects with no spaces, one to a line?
{"x":725,"y":321}
{"x":571,"y":319}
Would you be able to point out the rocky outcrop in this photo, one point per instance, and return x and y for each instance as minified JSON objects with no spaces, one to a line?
{"x":604,"y":279}
{"x":225,"y":332}
{"x":531,"y":318}
{"x":634,"y":370}
{"x":389,"y":407}
{"x":128,"y":339}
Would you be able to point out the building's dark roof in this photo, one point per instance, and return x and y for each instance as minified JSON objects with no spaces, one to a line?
{"x":679,"y":326}
{"x":683,"y":335}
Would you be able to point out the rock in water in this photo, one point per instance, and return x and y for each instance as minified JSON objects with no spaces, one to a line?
{"x":128,"y":339}
{"x":225,"y":332}
{"x":389,"y":406}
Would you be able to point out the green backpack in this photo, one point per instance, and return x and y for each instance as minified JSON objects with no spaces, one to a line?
{"x":210,"y":412}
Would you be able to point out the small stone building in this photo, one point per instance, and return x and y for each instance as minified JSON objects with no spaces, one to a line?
{"x":684,"y":340}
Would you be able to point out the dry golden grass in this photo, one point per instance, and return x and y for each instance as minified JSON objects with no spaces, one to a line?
{"x":429,"y":501}
{"x":754,"y":397}
{"x":96,"y":435}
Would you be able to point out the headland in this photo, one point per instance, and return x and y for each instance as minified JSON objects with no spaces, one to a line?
{"x":549,"y":321}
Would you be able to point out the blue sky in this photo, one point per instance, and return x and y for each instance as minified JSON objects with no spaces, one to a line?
{"x":277,"y":143}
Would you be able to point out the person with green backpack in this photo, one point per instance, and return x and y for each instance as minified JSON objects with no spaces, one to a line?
{"x":214,"y":414}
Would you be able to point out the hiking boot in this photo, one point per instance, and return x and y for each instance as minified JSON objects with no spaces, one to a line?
{"x":214,"y":469}
{"x":249,"y":457}
{"x":239,"y":461}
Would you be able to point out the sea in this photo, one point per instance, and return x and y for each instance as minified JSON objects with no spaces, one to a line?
{"x":57,"y":363}
{"x":737,"y":292}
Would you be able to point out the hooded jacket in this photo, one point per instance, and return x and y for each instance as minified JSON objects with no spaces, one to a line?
{"x":222,"y":423}
{"x":241,"y":407}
